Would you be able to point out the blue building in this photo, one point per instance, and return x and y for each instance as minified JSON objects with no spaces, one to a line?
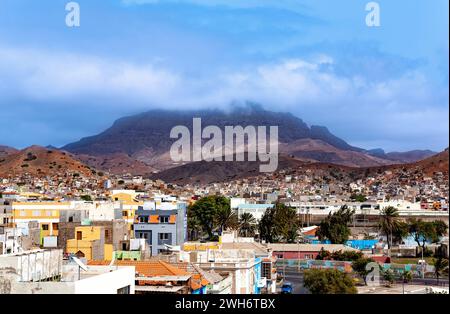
{"x":161,"y":226}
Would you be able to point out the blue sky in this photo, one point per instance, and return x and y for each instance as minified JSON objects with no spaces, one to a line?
{"x":375,"y":87}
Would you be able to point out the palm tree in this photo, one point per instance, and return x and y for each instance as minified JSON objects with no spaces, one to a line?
{"x":226,"y":218}
{"x":389,"y":222}
{"x":247,"y":225}
{"x":440,"y":265}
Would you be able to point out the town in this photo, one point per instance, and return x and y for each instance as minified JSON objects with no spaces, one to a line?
{"x":268,"y":234}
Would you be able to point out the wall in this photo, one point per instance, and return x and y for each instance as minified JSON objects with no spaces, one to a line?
{"x":107,"y":283}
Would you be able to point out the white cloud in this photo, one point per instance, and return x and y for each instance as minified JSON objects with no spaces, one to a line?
{"x":402,"y":107}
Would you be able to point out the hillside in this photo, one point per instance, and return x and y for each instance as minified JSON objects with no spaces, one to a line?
{"x":41,"y":161}
{"x":6,"y":150}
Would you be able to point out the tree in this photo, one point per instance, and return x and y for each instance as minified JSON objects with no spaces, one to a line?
{"x":358,"y":198}
{"x":335,"y":226}
{"x":279,"y":223}
{"x":389,"y":223}
{"x":427,"y":231}
{"x":360,"y":267}
{"x":328,"y":281}
{"x":440,"y":265}
{"x":339,"y":255}
{"x":266,"y":225}
{"x":226,"y":218}
{"x":406,"y":276}
{"x":389,"y":277}
{"x":247,"y":225}
{"x":86,"y":198}
{"x":209,"y":214}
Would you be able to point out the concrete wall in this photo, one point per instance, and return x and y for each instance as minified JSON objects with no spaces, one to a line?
{"x":105,"y":282}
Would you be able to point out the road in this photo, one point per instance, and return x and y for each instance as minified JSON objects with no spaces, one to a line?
{"x":296,"y":278}
{"x":417,"y":286}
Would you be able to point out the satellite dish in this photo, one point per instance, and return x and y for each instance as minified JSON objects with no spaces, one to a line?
{"x":79,"y":263}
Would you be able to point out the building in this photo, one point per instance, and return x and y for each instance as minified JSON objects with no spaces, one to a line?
{"x":89,"y":243}
{"x":161,"y":227}
{"x":156,"y":276}
{"x":305,"y":251}
{"x":43,"y":272}
{"x":249,"y":264}
{"x":257,"y":210}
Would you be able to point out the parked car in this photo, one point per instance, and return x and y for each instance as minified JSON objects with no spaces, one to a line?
{"x":286,"y":288}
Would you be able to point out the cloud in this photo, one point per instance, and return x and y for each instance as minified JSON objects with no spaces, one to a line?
{"x":399,"y":109}
{"x":281,"y":4}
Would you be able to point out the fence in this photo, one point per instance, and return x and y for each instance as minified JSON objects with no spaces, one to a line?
{"x":346,"y":266}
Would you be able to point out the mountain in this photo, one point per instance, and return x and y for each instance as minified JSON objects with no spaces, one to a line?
{"x":118,"y":164}
{"x":41,"y":161}
{"x":318,"y":150}
{"x":146,"y":138}
{"x":203,"y":172}
{"x":435,"y":163}
{"x":6,"y":150}
{"x":402,"y":157}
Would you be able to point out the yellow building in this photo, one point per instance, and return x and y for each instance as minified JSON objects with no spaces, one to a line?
{"x":45,"y":213}
{"x":88,"y":243}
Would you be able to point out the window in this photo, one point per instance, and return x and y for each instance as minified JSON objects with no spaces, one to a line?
{"x":22,"y":213}
{"x":55,"y":226}
{"x":164,"y":219}
{"x":144,"y":235}
{"x":143,"y":219}
{"x":36,"y":213}
{"x":106,"y":234}
{"x":266,"y":270}
{"x":79,"y":235}
{"x":164,"y":236}
{"x":44,"y":227}
{"x":124,"y":213}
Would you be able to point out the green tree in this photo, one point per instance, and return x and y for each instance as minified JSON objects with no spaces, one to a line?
{"x":279,"y":224}
{"x":427,"y":231}
{"x":247,"y":225}
{"x":335,"y":226}
{"x":388,"y":276}
{"x":226,"y":218}
{"x":328,"y":281}
{"x":209,"y":214}
{"x":358,"y":198}
{"x":266,"y":226}
{"x":360,"y":267}
{"x":440,"y":265}
{"x":389,"y":223}
{"x":406,"y":276}
{"x":86,"y":198}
